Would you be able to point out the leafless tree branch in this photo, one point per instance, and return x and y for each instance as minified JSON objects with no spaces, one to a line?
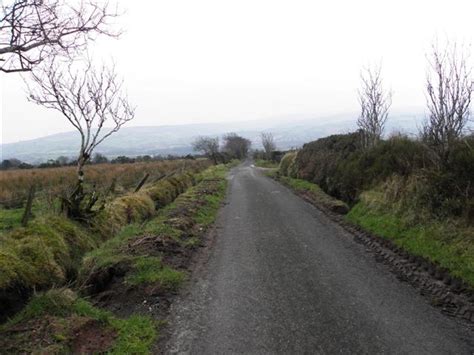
{"x":90,"y":99}
{"x":449,"y":91}
{"x":268,"y":143}
{"x":34,"y":30}
{"x":209,"y":146}
{"x":236,"y":146}
{"x":375,"y":103}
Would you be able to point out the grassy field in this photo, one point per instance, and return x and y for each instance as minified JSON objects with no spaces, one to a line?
{"x":52,"y":182}
{"x":109,"y":180}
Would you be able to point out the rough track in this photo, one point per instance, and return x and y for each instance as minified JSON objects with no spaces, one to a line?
{"x":283,"y":278}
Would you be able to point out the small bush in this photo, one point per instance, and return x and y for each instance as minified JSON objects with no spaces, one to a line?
{"x":288,"y":165}
{"x":151,"y":270}
{"x":178,"y":224}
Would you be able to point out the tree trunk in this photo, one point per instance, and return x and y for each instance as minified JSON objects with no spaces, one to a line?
{"x":72,"y":204}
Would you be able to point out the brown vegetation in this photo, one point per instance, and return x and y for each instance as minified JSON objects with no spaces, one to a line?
{"x":15,"y":184}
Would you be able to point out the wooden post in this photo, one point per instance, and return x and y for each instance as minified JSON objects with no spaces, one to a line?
{"x":142,"y":182}
{"x":29,"y":205}
{"x":111,"y":188}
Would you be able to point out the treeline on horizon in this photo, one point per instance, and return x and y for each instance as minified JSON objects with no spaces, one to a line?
{"x":98,"y":158}
{"x":234,"y":147}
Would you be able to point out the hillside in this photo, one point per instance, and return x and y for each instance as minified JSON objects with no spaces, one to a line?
{"x":289,"y":131}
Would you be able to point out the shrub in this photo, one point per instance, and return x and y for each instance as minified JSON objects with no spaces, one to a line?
{"x":288,"y":165}
{"x":343,"y":168}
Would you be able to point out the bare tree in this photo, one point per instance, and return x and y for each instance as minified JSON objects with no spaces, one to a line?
{"x":33,"y":30}
{"x":268,"y":143}
{"x":89,"y":99}
{"x":449,"y":88}
{"x":209,"y":146}
{"x":237,"y":146}
{"x":375,"y":103}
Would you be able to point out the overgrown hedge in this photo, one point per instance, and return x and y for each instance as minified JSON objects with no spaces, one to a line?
{"x":343,"y":169}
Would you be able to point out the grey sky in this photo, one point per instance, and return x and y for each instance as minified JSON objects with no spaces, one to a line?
{"x":210,"y":61}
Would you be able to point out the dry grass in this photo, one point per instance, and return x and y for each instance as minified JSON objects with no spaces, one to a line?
{"x":14,"y":184}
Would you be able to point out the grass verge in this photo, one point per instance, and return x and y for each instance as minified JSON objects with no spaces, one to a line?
{"x":313,"y":192}
{"x":154,"y":252}
{"x":261,"y":163}
{"x":444,"y":243}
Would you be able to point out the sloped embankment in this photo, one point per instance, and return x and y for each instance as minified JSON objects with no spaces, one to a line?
{"x":146,"y":262}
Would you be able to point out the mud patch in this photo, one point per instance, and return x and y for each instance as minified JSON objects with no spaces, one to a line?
{"x":92,"y":337}
{"x":52,"y":335}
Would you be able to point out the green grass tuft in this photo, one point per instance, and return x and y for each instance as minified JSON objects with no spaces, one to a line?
{"x":10,"y":218}
{"x":135,"y":335}
{"x":151,"y":270}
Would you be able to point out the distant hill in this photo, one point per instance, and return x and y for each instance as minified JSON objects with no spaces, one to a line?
{"x":289,"y":131}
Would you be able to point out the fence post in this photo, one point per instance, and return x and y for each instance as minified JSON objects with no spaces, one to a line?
{"x":29,"y":204}
{"x":142,"y":181}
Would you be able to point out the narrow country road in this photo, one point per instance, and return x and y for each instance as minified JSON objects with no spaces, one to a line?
{"x":284,"y":279}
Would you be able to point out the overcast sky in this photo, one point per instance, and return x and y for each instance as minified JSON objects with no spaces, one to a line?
{"x":211,"y":61}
